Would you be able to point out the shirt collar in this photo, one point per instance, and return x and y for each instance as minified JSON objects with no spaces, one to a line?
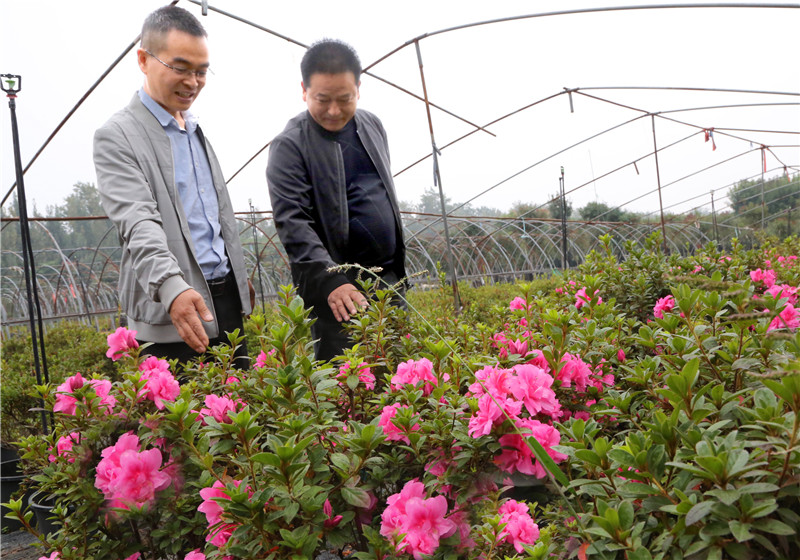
{"x":163,"y":117}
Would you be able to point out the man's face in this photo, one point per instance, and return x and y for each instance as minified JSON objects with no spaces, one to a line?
{"x":173,"y":91}
{"x":331,"y":99}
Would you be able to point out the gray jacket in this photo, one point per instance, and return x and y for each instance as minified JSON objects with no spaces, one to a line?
{"x":136,"y":181}
{"x":305,"y":174}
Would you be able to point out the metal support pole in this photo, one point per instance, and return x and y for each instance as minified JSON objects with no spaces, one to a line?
{"x":658,"y":178}
{"x":714,"y":220}
{"x":12,"y":84}
{"x":789,"y":221}
{"x":563,"y":222}
{"x":257,"y":255}
{"x":437,"y":181}
{"x":763,"y":200}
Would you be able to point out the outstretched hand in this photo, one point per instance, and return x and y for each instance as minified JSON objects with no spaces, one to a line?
{"x":343,"y":301}
{"x":186,"y":311}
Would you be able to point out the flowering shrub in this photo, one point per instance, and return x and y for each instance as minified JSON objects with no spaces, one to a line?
{"x":558,"y":424}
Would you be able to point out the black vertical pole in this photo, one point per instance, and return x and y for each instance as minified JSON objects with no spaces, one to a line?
{"x":12,"y":84}
{"x":714,"y":220}
{"x":564,"y":262}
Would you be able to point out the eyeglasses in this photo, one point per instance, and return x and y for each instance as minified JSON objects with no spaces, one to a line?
{"x":180,"y":71}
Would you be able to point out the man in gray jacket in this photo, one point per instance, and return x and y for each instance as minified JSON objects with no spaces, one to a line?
{"x":333,"y":198}
{"x":182,"y":283}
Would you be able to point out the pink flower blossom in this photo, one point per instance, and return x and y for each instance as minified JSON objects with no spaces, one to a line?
{"x":412,"y":372}
{"x":788,"y":318}
{"x":517,"y":455}
{"x":780,"y":291}
{"x":582,"y":298}
{"x":574,"y":371}
{"x":662,"y":305}
{"x":531,"y":385}
{"x":134,"y":556}
{"x":621,"y":355}
{"x":219,"y":531}
{"x":332,"y":521}
{"x":129,"y":477}
{"x":767,"y":276}
{"x":64,"y":447}
{"x":160,"y":384}
{"x":67,"y":403}
{"x":496,"y":381}
{"x":219,"y":407}
{"x":263,"y":358}
{"x":518,"y":303}
{"x":119,"y":342}
{"x":195,"y":555}
{"x":520,"y":528}
{"x":365,"y":375}
{"x":422,"y":521}
{"x":390,"y":429}
{"x":55,"y":555}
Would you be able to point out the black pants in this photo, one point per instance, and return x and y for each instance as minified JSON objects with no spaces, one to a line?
{"x":228,"y":308}
{"x":330,"y":336}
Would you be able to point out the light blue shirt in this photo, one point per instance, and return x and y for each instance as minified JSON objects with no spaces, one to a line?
{"x":196,"y":189}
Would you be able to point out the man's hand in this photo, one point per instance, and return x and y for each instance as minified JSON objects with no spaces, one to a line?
{"x":186,"y":311}
{"x":343,"y":301}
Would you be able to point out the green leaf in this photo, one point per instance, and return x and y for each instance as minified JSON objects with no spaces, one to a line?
{"x":267,"y":459}
{"x":547,"y":461}
{"x":741,"y":531}
{"x":355,"y":496}
{"x":773,"y":526}
{"x":698,"y":512}
{"x":626,"y":515}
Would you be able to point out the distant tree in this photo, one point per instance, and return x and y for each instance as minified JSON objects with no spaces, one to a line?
{"x":779,"y":194}
{"x":555,"y":207}
{"x":527,"y":210}
{"x":83,"y":201}
{"x":602,"y":212}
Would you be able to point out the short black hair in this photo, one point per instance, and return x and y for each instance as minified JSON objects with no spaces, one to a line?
{"x":165,"y":19}
{"x":330,"y":56}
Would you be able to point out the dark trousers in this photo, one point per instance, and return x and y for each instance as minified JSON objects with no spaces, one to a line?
{"x":330,"y":336}
{"x":228,"y":308}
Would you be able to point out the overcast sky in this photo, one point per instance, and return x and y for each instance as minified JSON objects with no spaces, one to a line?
{"x":480,"y":74}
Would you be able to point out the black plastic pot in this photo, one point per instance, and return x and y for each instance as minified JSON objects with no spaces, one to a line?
{"x":42,"y":506}
{"x":10,"y":479}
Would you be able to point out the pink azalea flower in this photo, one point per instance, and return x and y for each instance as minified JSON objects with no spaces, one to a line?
{"x":219,"y":407}
{"x":518,"y":303}
{"x":766,"y":276}
{"x":219,"y":535}
{"x":490,"y":414}
{"x":413,"y":372}
{"x":621,"y":355}
{"x":520,"y":528}
{"x":531,"y":385}
{"x":119,"y":342}
{"x":332,"y":521}
{"x":788,"y":318}
{"x":67,"y":403}
{"x":129,"y":477}
{"x":263,"y":359}
{"x":495,"y":380}
{"x":64,"y":447}
{"x":461,"y":518}
{"x":422,"y":521}
{"x":195,"y":555}
{"x":390,"y":429}
{"x":134,"y":556}
{"x":664,"y":304}
{"x":55,"y":555}
{"x":365,"y":375}
{"x":783,"y":291}
{"x":582,"y":298}
{"x":517,"y":455}
{"x":574,"y":371}
{"x":160,"y":384}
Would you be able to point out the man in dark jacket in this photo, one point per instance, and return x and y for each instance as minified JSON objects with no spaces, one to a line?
{"x":332,"y":193}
